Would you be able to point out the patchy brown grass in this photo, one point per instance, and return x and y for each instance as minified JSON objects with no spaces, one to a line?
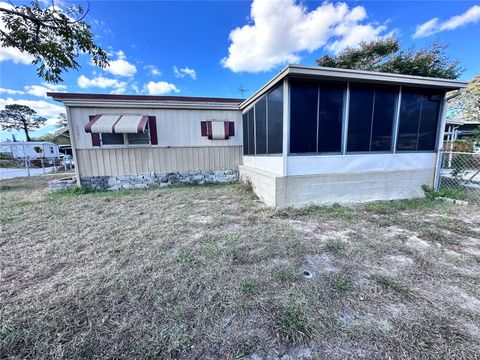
{"x":208,"y":272}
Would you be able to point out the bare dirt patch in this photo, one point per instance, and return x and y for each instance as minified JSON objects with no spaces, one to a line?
{"x":207,"y":272}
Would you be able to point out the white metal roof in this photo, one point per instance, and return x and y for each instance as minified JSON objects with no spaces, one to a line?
{"x":144,"y":102}
{"x":354,"y":75}
{"x":175,"y":102}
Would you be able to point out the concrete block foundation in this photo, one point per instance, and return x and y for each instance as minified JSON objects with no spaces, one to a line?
{"x":340,"y":188}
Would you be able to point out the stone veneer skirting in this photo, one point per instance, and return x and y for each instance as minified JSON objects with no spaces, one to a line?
{"x":142,"y":181}
{"x":62,"y":184}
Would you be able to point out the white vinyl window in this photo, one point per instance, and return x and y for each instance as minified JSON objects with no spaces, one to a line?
{"x":109,"y":139}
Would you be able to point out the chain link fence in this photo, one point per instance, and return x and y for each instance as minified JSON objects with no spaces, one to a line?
{"x":20,"y":160}
{"x":459,"y":175}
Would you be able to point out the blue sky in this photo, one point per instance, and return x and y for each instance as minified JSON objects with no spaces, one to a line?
{"x":212,"y":48}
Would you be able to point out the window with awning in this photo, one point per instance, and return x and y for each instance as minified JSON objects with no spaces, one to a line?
{"x":117,"y":124}
{"x":124,"y":129}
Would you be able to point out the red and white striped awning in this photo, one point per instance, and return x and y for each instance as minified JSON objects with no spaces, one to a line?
{"x":118,"y":124}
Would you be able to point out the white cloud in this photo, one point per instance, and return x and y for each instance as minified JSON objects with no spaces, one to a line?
{"x":11,"y":92}
{"x":426,"y":29}
{"x":35,"y":90}
{"x":48,"y":3}
{"x":281,"y":30}
{"x":160,"y":88}
{"x":186,"y":71}
{"x":15,"y":55}
{"x":42,"y":107}
{"x":52,"y":121}
{"x":121,"y":67}
{"x":434,"y":25}
{"x":350,"y":33}
{"x":135,"y":88}
{"x":120,"y":89}
{"x":101,"y":82}
{"x":153,"y":70}
{"x":41,"y":90}
{"x":9,"y":53}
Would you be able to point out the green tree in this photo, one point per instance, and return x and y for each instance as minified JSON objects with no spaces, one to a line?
{"x":54,"y":38}
{"x":54,"y":138}
{"x":20,"y":117}
{"x":387,"y":55}
{"x":62,"y":120}
{"x":466,"y":106}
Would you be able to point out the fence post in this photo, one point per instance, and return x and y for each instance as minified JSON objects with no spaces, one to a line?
{"x":27,"y":164}
{"x":438,"y":177}
{"x":450,"y":154}
{"x":43,"y":166}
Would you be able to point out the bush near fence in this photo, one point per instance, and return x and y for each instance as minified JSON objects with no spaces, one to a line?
{"x":8,"y":161}
{"x":464,"y":145}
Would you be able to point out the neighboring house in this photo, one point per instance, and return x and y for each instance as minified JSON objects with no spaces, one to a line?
{"x":309,"y":135}
{"x":64,"y":134}
{"x":23,"y":149}
{"x":458,"y":130}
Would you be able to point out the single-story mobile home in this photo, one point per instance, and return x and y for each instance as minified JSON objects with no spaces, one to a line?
{"x":310,"y":135}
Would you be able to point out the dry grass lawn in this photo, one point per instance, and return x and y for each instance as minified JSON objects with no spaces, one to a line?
{"x":208,"y":272}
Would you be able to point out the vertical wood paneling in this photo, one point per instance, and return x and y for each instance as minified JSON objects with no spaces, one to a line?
{"x":150,"y":161}
{"x":100,"y":163}
{"x":124,"y":161}
{"x":140,"y":161}
{"x":89,"y":164}
{"x":106,"y":161}
{"x":131,"y":161}
{"x":122,"y":169}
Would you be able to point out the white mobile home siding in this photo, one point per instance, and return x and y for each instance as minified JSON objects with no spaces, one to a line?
{"x":181,"y":147}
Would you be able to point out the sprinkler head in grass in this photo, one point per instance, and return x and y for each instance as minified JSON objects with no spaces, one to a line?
{"x":307,"y":274}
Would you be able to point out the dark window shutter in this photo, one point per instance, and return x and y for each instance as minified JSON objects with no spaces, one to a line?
{"x":152,"y":124}
{"x":203,"y":126}
{"x":226,"y":128}
{"x":231,"y":128}
{"x":209,"y":130}
{"x":95,"y":137}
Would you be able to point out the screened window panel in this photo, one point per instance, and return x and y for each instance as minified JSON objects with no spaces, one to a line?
{"x":261,"y":126}
{"x":275,"y":121}
{"x":330,"y":115}
{"x":303,"y":117}
{"x":383,"y":118}
{"x":427,"y":133}
{"x":112,"y":139}
{"x":251,"y":132}
{"x":419,"y":113}
{"x":138,"y":139}
{"x":410,"y":110}
{"x":245,"y":133}
{"x":360,"y":118}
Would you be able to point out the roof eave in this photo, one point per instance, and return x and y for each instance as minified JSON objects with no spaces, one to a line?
{"x":124,"y":101}
{"x":354,"y":75}
{"x":97,"y":103}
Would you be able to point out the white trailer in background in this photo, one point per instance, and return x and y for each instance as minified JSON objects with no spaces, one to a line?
{"x":30,"y":149}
